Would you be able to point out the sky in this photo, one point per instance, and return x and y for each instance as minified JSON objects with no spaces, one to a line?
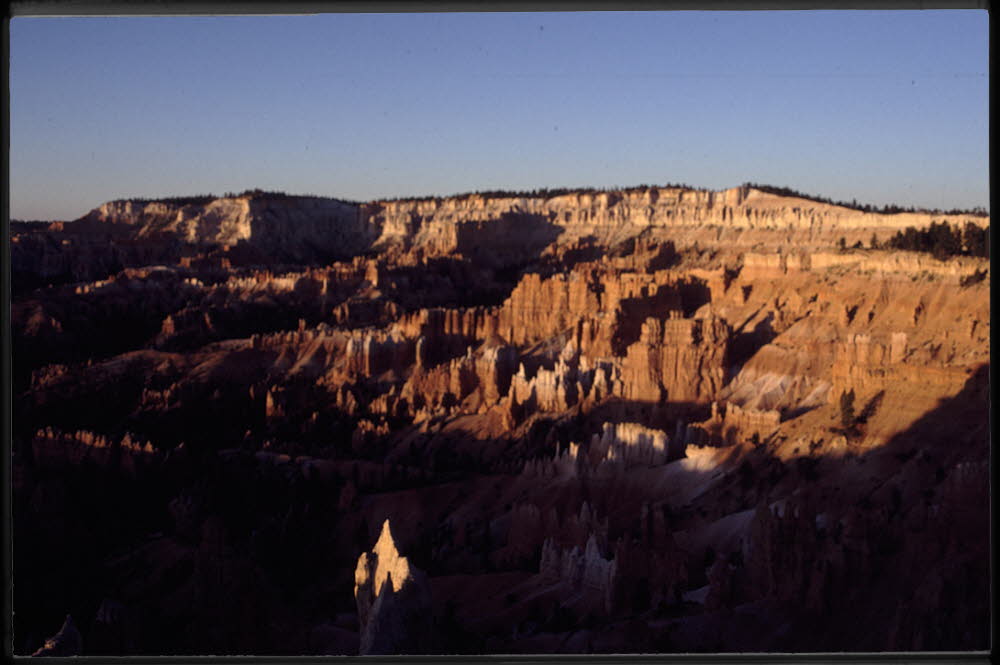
{"x":878,"y":106}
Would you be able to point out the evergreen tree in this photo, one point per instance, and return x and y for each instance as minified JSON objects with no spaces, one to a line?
{"x":847,"y":416}
{"x":975,"y":240}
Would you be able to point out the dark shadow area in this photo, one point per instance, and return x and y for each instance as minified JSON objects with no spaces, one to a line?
{"x":512,"y":239}
{"x":662,"y":416}
{"x":584,"y":250}
{"x":82,"y":252}
{"x":453,"y":282}
{"x":88,"y":249}
{"x":205,"y":541}
{"x":338,"y":233}
{"x":633,"y":313}
{"x":62,"y":326}
{"x":746,"y":343}
{"x":694,"y":294}
{"x":909,"y":554}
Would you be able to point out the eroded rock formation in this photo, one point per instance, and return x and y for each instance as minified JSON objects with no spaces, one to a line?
{"x":67,"y":642}
{"x":393,"y":600}
{"x":614,"y":422}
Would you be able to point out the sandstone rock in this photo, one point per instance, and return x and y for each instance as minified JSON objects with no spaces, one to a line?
{"x":393,"y":601}
{"x":285,"y":228}
{"x":631,"y":444}
{"x":453,"y":375}
{"x":683,"y":360}
{"x":67,"y":642}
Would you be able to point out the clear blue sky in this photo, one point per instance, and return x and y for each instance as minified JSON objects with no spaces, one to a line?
{"x":884,"y":107}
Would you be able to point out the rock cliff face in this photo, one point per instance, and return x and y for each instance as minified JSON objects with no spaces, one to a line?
{"x":284,"y":228}
{"x":515,"y":229}
{"x":683,"y":360}
{"x":604,"y":422}
{"x":605,"y":213}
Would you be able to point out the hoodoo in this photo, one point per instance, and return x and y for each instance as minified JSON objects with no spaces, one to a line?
{"x":650,"y":420}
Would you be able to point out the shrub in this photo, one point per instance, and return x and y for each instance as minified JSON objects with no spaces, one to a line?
{"x":974,"y":278}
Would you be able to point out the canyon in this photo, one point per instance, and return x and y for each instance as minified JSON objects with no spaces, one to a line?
{"x":653,"y":420}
